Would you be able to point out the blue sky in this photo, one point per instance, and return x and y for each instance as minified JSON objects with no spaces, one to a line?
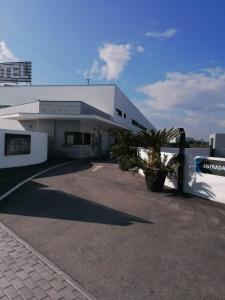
{"x":167,"y":56}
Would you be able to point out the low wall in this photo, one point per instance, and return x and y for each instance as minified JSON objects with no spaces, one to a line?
{"x":38,"y":149}
{"x":208,"y":186}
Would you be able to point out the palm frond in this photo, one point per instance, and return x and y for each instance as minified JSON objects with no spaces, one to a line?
{"x":157,"y":138}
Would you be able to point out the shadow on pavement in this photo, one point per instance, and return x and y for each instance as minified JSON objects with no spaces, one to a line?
{"x":55,"y":204}
{"x":9,"y":177}
{"x":69,"y":168}
{"x":169,"y":192}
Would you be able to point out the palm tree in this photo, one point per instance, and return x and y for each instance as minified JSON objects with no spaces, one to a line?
{"x":155,"y":168}
{"x":155,"y":139}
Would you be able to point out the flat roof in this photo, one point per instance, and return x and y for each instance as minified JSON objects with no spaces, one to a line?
{"x":43,"y":85}
{"x":40,"y":116}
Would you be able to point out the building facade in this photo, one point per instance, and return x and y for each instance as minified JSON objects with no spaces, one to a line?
{"x":77,"y":119}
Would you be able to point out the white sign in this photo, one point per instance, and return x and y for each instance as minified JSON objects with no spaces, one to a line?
{"x":15,"y":72}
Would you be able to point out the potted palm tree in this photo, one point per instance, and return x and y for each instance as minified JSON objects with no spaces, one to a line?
{"x":124,"y":148}
{"x":155,"y":167}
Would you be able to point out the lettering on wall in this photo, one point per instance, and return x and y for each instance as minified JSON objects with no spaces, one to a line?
{"x":17,"y":144}
{"x":210,"y":166}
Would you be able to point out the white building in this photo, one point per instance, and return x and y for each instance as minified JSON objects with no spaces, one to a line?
{"x":77,"y":118}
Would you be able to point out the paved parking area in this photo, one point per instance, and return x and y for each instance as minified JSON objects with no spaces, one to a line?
{"x":25,"y":274}
{"x":119,"y":241}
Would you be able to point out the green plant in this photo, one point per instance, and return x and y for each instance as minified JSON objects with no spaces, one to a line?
{"x":170,"y":167}
{"x":155,"y":167}
{"x":125,"y":140}
{"x":153,"y":140}
{"x":125,"y":147}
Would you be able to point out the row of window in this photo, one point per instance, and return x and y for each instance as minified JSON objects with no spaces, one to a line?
{"x":135,"y":123}
{"x":77,"y":138}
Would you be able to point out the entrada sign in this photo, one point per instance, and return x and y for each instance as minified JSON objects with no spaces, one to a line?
{"x":210,"y":166}
{"x":17,"y":144}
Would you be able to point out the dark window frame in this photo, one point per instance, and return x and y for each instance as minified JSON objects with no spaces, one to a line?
{"x":119,"y":112}
{"x":79,"y":138}
{"x":65,"y":137}
{"x":135,"y":123}
{"x":86,"y":138}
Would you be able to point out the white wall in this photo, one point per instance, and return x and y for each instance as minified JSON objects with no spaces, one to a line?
{"x":170,"y":152}
{"x":103,"y":97}
{"x":99,"y":96}
{"x":126,"y":106}
{"x":208,"y":186}
{"x":11,"y":124}
{"x":26,"y":108}
{"x":38,"y":150}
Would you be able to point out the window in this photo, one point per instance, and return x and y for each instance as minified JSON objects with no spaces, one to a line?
{"x":87,"y":139}
{"x":135,"y":123}
{"x":124,"y":115}
{"x":77,"y":138}
{"x":119,"y":112}
{"x":69,"y":139}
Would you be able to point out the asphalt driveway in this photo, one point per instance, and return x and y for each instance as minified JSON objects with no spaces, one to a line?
{"x":118,"y":240}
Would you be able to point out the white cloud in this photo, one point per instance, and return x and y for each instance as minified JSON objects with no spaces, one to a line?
{"x":195,"y":99}
{"x":114,"y":58}
{"x":140,"y":49}
{"x":221,"y":123}
{"x":162,"y":35}
{"x":215,"y":72}
{"x":188,"y":90}
{"x":5,"y":53}
{"x":94,"y":70}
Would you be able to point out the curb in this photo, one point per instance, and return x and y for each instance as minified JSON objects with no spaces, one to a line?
{"x":48,"y":263}
{"x":29,"y":247}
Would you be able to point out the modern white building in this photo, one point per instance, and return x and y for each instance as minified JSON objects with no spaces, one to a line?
{"x":77,"y":118}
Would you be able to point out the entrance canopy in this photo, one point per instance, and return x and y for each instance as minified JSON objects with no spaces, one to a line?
{"x":57,"y":110}
{"x":38,"y":116}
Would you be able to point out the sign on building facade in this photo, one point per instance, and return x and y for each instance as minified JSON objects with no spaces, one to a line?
{"x":210,"y":166}
{"x":17,"y":144}
{"x":16,"y":72}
